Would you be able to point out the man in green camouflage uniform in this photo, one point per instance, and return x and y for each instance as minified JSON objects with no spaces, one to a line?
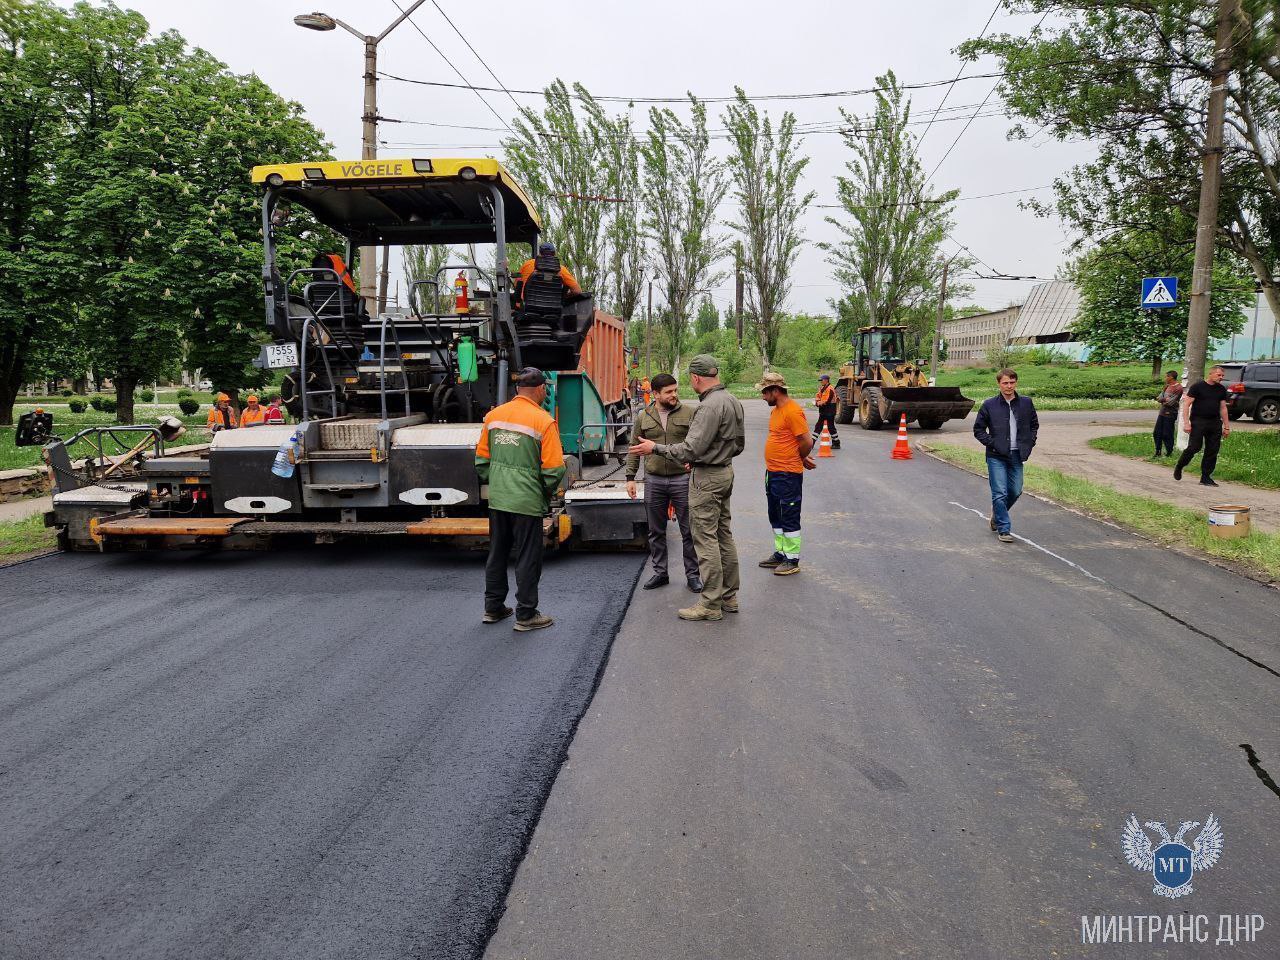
{"x":716,"y":435}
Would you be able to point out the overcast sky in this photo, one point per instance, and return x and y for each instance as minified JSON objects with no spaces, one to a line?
{"x":663,"y":48}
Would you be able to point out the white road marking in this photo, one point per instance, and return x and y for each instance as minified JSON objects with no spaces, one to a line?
{"x":1032,"y":543}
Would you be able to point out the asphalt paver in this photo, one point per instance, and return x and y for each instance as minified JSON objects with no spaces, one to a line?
{"x":317,"y":754}
{"x":926,"y":744}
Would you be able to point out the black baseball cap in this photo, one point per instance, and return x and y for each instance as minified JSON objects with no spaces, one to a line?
{"x":530,"y":377}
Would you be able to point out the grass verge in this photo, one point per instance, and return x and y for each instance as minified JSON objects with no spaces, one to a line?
{"x":1166,"y":524}
{"x":19,"y":537}
{"x":66,"y":423}
{"x":1251,"y":457}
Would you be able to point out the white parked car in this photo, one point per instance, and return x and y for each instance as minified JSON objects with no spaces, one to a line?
{"x":205,"y":385}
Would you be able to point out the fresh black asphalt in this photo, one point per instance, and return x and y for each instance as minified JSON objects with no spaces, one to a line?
{"x":925,"y":744}
{"x":317,"y":754}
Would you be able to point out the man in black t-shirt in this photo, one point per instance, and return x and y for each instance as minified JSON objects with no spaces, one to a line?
{"x":1204,"y":416}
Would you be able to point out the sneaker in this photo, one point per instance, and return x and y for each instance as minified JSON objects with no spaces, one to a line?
{"x":699,"y":612}
{"x":1005,"y":537}
{"x":497,"y":617}
{"x":729,"y":606}
{"x":1208,"y":482}
{"x":1177,"y":471}
{"x":657,"y":580}
{"x":539,"y":621}
{"x":772,"y":560}
{"x":786,"y":568}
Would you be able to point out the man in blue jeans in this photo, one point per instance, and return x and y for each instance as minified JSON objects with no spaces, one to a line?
{"x":1007,"y":426}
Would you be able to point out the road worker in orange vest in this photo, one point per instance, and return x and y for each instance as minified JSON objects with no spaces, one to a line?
{"x":825,"y":401}
{"x":252,"y":412}
{"x":221,"y":415}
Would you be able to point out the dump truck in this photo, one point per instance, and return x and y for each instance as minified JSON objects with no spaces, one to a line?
{"x":879,"y":384}
{"x":389,"y":403}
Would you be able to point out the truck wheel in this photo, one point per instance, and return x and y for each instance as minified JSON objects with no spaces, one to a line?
{"x":844,"y":410}
{"x":931,"y":423}
{"x":1268,"y":410}
{"x":869,"y":410}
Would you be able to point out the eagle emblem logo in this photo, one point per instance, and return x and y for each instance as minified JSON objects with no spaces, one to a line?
{"x":1172,"y":863}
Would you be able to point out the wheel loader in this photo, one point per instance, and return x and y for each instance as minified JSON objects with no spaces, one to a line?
{"x":880,"y":384}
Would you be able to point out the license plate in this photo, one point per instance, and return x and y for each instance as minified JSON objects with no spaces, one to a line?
{"x":282,"y":355}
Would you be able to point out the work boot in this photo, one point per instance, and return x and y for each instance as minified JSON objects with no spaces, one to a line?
{"x":835,"y":444}
{"x":496,"y":616}
{"x":538,"y":621}
{"x":786,"y":568}
{"x":695,"y":584}
{"x":699,"y":612}
{"x":772,"y":560}
{"x":657,"y":580}
{"x":1005,"y":537}
{"x":1177,"y":471}
{"x":729,"y":605}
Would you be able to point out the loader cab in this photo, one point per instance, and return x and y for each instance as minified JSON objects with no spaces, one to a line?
{"x":877,"y":345}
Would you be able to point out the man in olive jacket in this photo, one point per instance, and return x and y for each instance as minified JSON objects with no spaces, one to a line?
{"x":520,"y":457}
{"x":666,"y":484}
{"x":716,"y":435}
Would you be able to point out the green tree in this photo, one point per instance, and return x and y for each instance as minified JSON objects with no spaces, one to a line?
{"x":766,"y":169}
{"x":1110,"y":276}
{"x":423,"y":263}
{"x":683,"y":187}
{"x":34,"y":306}
{"x":556,"y":156}
{"x":214,"y":228}
{"x":624,"y":238}
{"x":1131,"y":77}
{"x":893,"y":225}
{"x":707,"y":319}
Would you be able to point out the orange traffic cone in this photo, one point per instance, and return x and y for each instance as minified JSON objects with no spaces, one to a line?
{"x":901,"y":449}
{"x":671,"y":512}
{"x":824,"y":443}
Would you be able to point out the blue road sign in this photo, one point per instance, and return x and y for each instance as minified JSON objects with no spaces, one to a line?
{"x":1159,"y":293}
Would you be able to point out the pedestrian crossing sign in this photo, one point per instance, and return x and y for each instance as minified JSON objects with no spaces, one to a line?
{"x":1159,"y":293}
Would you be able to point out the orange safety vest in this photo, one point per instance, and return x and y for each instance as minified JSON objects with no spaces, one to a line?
{"x":250,"y":416}
{"x":826,"y":396}
{"x":219,"y":418}
{"x":340,"y":268}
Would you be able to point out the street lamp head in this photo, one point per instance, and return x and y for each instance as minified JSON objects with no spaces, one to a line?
{"x":315,"y":21}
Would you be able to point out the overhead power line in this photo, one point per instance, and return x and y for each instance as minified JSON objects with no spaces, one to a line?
{"x":820,"y":95}
{"x":931,"y":200}
{"x":476,"y":53}
{"x":460,"y":74}
{"x":985,"y":27}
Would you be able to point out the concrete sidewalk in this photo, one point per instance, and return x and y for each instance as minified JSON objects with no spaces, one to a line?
{"x":16,"y":510}
{"x":1064,"y":446}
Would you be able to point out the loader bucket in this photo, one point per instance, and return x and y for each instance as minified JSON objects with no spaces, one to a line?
{"x":925,"y":404}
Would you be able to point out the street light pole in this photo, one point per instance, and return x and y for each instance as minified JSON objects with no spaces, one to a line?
{"x":369,"y":121}
{"x":937,"y":323}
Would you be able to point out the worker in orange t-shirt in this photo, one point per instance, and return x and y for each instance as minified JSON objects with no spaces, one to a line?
{"x":526,"y":271}
{"x":252,"y":412}
{"x":786,"y":458}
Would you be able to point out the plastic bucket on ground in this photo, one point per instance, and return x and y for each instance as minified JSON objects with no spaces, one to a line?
{"x":1229,"y":521}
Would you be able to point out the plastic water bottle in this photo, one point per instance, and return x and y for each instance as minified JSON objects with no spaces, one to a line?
{"x":287,"y":456}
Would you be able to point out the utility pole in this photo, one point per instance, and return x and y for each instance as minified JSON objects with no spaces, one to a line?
{"x":937,"y":324}
{"x":737,"y":291}
{"x":382,"y":279}
{"x":648,"y":336}
{"x":1197,"y":347}
{"x":369,"y":125}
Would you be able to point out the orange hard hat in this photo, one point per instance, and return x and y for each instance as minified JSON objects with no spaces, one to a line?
{"x":251,"y":398}
{"x":222,"y":397}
